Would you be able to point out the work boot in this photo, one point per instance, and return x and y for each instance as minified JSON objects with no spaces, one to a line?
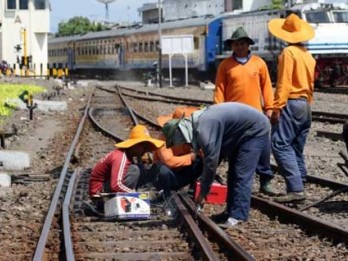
{"x":266,"y":188}
{"x":220,"y":218}
{"x":291,"y":197}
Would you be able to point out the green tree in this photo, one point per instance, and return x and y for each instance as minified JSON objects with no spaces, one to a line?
{"x":276,"y":4}
{"x":79,"y":25}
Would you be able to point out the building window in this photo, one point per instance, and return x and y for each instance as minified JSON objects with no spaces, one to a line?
{"x":11,"y":4}
{"x":40,"y":4}
{"x":23,"y":4}
{"x":237,"y":5}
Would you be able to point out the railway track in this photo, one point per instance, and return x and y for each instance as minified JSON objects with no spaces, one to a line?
{"x":175,"y":236}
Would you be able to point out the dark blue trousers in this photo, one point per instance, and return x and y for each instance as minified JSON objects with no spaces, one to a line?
{"x":242,"y":166}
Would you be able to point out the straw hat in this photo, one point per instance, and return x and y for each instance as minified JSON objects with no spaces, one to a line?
{"x":139,"y":134}
{"x":179,"y":112}
{"x":239,"y":34}
{"x":292,"y":29}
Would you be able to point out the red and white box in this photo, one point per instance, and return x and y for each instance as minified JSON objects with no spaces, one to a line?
{"x":124,"y":205}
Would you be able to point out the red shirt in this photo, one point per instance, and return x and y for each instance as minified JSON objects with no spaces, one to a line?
{"x":113,"y":168}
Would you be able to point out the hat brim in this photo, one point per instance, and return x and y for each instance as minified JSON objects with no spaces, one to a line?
{"x":230,"y":41}
{"x":275,"y":27}
{"x":161,"y":120}
{"x":131,"y":142}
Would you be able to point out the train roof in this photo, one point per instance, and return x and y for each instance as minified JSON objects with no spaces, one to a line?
{"x":135,"y":29}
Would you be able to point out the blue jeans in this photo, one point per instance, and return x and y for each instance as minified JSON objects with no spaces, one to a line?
{"x":288,"y":141}
{"x":242,"y":165}
{"x":263,"y":168}
{"x":174,"y":179}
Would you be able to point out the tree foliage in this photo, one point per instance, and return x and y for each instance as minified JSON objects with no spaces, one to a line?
{"x":79,"y":25}
{"x":276,"y":4}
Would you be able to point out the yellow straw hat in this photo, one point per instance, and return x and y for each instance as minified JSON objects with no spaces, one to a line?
{"x":139,"y":134}
{"x":179,"y":112}
{"x":292,"y":29}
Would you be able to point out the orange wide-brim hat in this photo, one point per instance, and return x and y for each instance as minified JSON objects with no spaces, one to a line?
{"x":137,"y":135}
{"x":292,"y":29}
{"x":179,"y":113}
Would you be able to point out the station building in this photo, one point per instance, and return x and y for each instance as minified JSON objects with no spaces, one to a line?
{"x":24,"y":28}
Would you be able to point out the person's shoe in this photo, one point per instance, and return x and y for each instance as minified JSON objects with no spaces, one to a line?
{"x":291,"y":197}
{"x":220,"y":218}
{"x":266,"y":188}
{"x":229,"y":223}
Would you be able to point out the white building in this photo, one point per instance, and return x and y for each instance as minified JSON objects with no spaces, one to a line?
{"x":181,"y":9}
{"x":24,"y":26}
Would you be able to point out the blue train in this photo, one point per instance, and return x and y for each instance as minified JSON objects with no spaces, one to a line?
{"x":123,"y":51}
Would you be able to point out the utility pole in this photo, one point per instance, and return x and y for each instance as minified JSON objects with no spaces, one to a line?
{"x":159,"y":64}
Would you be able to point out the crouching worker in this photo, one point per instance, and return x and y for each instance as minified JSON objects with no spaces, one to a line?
{"x":118,"y":171}
{"x":232,"y":130}
{"x":178,"y":166}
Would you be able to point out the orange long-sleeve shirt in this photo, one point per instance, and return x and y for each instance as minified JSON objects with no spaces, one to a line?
{"x":247,"y":83}
{"x":174,"y":157}
{"x":296,"y":68}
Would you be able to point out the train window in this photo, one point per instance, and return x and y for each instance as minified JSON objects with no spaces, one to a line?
{"x":11,"y":4}
{"x":23,"y":4}
{"x":140,"y":47}
{"x":146,"y":47}
{"x":340,"y":17}
{"x":152,"y":47}
{"x":317,"y":17}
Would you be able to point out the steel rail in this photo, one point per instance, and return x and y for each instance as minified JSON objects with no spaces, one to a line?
{"x":330,"y":135}
{"x":197,"y":101}
{"x":69,"y":251}
{"x":307,"y":222}
{"x":91,"y":114}
{"x":237,"y":252}
{"x":194,"y":230}
{"x":318,"y":180}
{"x":40,"y":248}
{"x":134,"y":118}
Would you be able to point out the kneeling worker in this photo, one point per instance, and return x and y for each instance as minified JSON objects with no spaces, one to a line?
{"x":177,"y":166}
{"x":117,"y":171}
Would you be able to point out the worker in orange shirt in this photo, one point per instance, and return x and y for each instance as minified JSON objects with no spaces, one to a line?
{"x":244,"y":77}
{"x":292,"y":117}
{"x":177,"y":166}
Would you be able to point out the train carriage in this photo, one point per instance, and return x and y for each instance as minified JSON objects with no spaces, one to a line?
{"x":135,"y":49}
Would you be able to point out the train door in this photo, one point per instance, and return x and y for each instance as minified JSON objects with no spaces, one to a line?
{"x":71,"y":56}
{"x":122,"y":55}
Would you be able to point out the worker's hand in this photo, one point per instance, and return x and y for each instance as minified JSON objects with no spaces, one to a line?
{"x":200,"y":200}
{"x":269,"y":114}
{"x":275,"y":117}
{"x":199,"y":205}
